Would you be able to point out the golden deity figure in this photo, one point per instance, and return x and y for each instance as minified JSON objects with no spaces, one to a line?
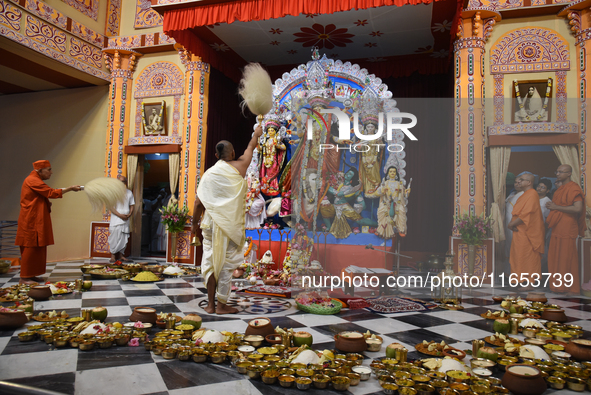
{"x":273,"y":152}
{"x":392,"y":208}
{"x":369,"y":167}
{"x":309,"y":166}
{"x":370,"y":153}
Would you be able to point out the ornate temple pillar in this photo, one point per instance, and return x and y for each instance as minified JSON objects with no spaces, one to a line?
{"x":470,"y":139}
{"x":580,"y":21}
{"x":121,"y":64}
{"x":195,"y":134}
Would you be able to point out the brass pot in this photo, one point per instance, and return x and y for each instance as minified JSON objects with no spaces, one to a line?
{"x":341,"y":383}
{"x":218,"y":357}
{"x":169,"y":353}
{"x":123,"y":340}
{"x":200,"y":358}
{"x":87,"y":345}
{"x":286,"y":381}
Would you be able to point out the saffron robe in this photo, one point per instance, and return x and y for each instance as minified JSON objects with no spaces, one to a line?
{"x":563,"y":257}
{"x":527,"y":246}
{"x":34,"y":224}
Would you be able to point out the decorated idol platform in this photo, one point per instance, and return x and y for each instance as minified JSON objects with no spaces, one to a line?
{"x":340,"y":190}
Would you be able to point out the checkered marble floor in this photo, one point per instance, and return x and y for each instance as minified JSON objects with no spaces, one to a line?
{"x":132,"y":370}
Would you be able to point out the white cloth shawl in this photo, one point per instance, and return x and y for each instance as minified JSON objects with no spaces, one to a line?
{"x":222,"y":191}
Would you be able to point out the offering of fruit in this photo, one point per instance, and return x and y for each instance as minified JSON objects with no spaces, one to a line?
{"x":99,"y":313}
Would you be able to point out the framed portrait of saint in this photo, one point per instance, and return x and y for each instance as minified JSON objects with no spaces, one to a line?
{"x":532,"y":101}
{"x":154,"y":118}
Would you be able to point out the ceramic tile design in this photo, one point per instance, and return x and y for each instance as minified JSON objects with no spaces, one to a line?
{"x":132,"y":380}
{"x":133,"y":370}
{"x":459,"y":332}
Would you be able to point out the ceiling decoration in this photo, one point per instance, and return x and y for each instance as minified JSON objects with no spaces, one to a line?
{"x":404,"y":38}
{"x":357,"y":34}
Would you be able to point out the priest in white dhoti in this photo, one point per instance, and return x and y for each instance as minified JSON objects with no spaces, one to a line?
{"x":222,"y":193}
{"x":119,"y":225}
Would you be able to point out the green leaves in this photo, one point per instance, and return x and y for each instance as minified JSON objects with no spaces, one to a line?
{"x":174,"y":218}
{"x":473,"y":229}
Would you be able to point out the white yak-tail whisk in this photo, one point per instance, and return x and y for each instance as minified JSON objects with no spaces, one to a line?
{"x":104,"y":192}
{"x":256,"y":89}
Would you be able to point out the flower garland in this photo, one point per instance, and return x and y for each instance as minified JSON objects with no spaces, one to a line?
{"x":318,"y":299}
{"x":545,"y":106}
{"x":518,"y":96}
{"x":249,"y":249}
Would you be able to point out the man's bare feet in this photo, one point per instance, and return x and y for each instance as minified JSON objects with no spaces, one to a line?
{"x":209,"y":309}
{"x":225,"y":309}
{"x":27,"y":281}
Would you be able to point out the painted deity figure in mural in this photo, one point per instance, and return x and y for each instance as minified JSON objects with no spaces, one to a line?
{"x":273,"y":153}
{"x":392,"y":208}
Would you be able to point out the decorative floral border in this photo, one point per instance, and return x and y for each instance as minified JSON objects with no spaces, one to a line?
{"x":90,"y":10}
{"x":159,"y":79}
{"x":56,"y":18}
{"x":38,"y":47}
{"x":140,"y":41}
{"x":113,"y":18}
{"x":533,"y":127}
{"x":145,"y":16}
{"x":529,"y":50}
{"x":154,"y":140}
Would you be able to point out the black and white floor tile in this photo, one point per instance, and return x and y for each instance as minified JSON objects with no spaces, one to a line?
{"x":132,"y":370}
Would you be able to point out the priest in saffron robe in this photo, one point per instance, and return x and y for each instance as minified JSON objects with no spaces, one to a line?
{"x":527,"y":224}
{"x":567,"y":222}
{"x":222,"y":193}
{"x":34,"y":232}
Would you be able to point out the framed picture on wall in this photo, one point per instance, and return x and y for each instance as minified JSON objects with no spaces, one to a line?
{"x":532,"y":101}
{"x":154,"y":118}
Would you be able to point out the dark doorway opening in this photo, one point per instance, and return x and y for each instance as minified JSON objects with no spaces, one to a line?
{"x":156,"y":194}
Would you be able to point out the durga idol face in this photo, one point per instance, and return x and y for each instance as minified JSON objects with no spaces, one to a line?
{"x":392,"y":173}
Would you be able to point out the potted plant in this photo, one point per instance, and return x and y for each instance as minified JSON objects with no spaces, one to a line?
{"x":473,"y":230}
{"x":174,"y":218}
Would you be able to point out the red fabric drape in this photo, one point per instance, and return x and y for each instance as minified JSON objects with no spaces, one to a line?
{"x":197,"y":46}
{"x":257,"y":10}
